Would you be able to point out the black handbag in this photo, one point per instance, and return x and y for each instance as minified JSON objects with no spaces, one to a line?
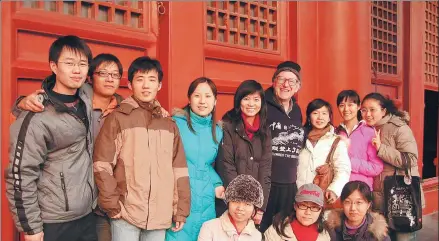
{"x":402,"y":195}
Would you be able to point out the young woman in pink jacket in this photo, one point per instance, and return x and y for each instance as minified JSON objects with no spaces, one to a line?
{"x":365,"y":164}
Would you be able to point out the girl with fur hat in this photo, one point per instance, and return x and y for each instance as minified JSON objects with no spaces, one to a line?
{"x":392,"y":137}
{"x":244,"y":196}
{"x":304,"y":219}
{"x":355,"y":221}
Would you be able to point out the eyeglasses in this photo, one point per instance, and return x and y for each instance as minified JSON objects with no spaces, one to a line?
{"x":357,"y":203}
{"x":291,"y":82}
{"x":69,"y":64}
{"x":305,"y":207}
{"x":106,"y":74}
{"x":372,"y":111}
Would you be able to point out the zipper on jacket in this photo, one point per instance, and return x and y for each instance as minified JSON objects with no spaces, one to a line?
{"x":63,"y":186}
{"x":149,"y":193}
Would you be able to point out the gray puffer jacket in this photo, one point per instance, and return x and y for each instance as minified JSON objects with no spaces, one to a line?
{"x":50,"y":178}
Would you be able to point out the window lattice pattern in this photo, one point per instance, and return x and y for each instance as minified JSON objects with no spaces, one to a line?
{"x":127,"y":13}
{"x":250,"y":24}
{"x":431,"y":43}
{"x":384,"y":37}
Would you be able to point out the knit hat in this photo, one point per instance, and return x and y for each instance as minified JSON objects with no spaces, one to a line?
{"x":310,"y":193}
{"x":289,"y":64}
{"x":244,"y":188}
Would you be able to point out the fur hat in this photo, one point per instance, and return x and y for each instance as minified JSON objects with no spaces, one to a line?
{"x":244,"y":188}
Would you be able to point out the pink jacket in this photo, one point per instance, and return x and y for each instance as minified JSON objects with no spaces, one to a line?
{"x":365,"y":164}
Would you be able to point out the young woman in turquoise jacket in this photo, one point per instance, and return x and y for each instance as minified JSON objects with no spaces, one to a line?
{"x":200,"y":135}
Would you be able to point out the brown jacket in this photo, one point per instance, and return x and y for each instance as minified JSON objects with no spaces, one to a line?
{"x":396,"y":137}
{"x":140,"y":167}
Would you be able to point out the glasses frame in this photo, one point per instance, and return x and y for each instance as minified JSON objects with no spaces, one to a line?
{"x":372,"y":111}
{"x":72,"y":64}
{"x":309,"y":207}
{"x":292,"y":82}
{"x":106,"y":74}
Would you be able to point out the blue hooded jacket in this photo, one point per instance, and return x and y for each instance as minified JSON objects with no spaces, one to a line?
{"x":201,"y":151}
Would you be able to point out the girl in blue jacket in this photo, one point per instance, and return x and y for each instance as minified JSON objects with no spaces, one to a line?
{"x":200,"y":135}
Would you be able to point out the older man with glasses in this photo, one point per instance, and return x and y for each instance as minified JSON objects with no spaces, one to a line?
{"x":285,"y":121}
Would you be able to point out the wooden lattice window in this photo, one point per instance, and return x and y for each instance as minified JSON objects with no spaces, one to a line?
{"x":127,"y":13}
{"x":431,"y":43}
{"x":385,"y":37}
{"x":242,"y":23}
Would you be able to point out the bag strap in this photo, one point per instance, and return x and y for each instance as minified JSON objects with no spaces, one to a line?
{"x":332,"y":150}
{"x":406,"y":163}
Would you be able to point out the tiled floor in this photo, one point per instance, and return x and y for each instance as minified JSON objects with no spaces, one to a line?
{"x":430,"y":226}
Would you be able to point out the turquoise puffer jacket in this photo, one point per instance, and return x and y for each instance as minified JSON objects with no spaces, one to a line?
{"x":201,"y":151}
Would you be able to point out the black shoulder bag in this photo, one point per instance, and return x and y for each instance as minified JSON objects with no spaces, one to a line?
{"x":402,"y":195}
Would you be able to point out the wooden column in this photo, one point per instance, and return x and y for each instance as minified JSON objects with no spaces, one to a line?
{"x":343,"y":49}
{"x":184,"y":57}
{"x":7,"y":225}
{"x":413,"y":73}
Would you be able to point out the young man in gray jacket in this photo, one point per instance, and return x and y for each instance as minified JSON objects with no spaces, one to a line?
{"x":50,"y":184}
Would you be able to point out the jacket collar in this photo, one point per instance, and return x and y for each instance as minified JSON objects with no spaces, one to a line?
{"x":130,"y":104}
{"x":195,"y":119}
{"x":228,"y":227}
{"x":384,"y":120}
{"x":48,"y":84}
{"x":376,"y":223}
{"x":111,"y":106}
{"x":343,"y":127}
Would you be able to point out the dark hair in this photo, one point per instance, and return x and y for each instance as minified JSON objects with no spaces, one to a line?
{"x":286,"y":216}
{"x":234,"y":115}
{"x":71,"y":43}
{"x":145,"y":64}
{"x":351,"y":95}
{"x":384,"y":103}
{"x":359,"y":186}
{"x":104,"y":58}
{"x":315,"y":105}
{"x":187,"y":108}
{"x":346,"y":95}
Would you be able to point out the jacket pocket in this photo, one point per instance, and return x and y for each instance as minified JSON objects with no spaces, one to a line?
{"x":63,"y":187}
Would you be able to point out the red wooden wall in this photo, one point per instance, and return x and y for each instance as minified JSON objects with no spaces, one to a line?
{"x":334,"y":42}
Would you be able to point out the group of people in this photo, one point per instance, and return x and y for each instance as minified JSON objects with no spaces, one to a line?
{"x":86,"y":164}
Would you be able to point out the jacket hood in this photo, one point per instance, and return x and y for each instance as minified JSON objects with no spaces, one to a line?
{"x":377,"y":223}
{"x":271,"y":99}
{"x":400,"y":121}
{"x":179,"y":113}
{"x":130,"y":104}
